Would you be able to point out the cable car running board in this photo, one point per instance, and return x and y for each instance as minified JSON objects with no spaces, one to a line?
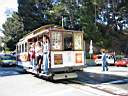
{"x":65,"y":76}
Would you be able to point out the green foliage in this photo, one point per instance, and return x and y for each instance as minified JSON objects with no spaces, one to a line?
{"x":77,"y":15}
{"x":35,"y":13}
{"x":13,"y":30}
{"x":56,"y":13}
{"x":71,"y":14}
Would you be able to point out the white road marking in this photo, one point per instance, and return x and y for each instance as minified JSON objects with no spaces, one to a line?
{"x":117,"y":81}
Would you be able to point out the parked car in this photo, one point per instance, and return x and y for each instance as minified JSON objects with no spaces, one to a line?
{"x":122,"y":62}
{"x":7,"y":60}
{"x":110,"y":59}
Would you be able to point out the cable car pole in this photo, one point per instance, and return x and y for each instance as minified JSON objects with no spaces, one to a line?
{"x":62,"y":22}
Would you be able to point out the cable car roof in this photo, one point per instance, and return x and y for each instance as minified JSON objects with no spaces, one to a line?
{"x":46,"y":28}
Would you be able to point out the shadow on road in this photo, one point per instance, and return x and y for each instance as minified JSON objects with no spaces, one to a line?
{"x":98,"y":78}
{"x":94,"y":78}
{"x":9,"y":71}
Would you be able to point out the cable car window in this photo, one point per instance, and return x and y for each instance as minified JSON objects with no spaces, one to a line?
{"x":22,"y":47}
{"x":78,"y":41}
{"x":17,"y":49}
{"x":25,"y":47}
{"x":56,"y":41}
{"x":68,"y":41}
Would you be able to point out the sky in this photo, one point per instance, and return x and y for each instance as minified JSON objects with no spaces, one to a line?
{"x":4,"y":5}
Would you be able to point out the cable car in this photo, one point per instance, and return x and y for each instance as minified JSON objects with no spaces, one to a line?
{"x":66,"y":52}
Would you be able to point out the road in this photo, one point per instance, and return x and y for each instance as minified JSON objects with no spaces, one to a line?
{"x":92,"y":82}
{"x":114,"y":81}
{"x":8,"y":71}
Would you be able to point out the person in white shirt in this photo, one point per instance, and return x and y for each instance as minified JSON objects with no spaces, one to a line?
{"x":45,"y":54}
{"x":104,"y":62}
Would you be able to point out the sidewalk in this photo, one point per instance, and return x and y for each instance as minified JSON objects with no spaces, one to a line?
{"x":119,"y":71}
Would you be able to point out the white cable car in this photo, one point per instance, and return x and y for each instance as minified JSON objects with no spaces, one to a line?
{"x":66,"y":51}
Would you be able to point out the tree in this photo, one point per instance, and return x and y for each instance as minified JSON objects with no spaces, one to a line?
{"x":114,"y":15}
{"x":71,"y":15}
{"x":13,"y":30}
{"x":35,"y":13}
{"x":101,"y":20}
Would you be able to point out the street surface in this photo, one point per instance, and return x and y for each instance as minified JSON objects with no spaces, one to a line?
{"x":92,"y":82}
{"x":114,"y":81}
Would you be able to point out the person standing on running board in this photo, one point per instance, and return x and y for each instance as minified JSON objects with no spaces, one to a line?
{"x":45,"y":54}
{"x":32,"y":55}
{"x":39,"y":57}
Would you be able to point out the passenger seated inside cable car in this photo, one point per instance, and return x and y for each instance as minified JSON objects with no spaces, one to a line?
{"x":68,"y":43}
